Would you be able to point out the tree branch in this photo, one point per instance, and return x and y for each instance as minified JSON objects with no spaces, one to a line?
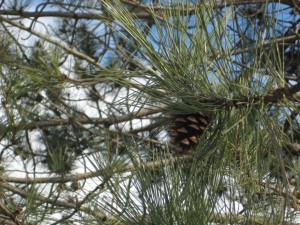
{"x":141,"y":14}
{"x":274,"y":96}
{"x":55,"y":202}
{"x":11,"y":215}
{"x":283,"y":40}
{"x":6,"y":221}
{"x":96,"y":121}
{"x":54,"y":42}
{"x":83,"y":176}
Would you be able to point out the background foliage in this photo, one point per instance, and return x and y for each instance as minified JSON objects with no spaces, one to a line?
{"x":90,"y":89}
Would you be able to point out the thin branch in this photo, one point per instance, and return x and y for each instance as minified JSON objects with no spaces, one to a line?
{"x":95,"y":121}
{"x":282,"y":40}
{"x":54,"y":42}
{"x":84,"y":176}
{"x":283,"y":192}
{"x":11,"y":215}
{"x":55,"y":202}
{"x":140,"y":14}
{"x":6,"y":221}
{"x":274,"y":96}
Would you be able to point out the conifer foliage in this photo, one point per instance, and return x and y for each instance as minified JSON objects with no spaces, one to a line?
{"x":149,"y":112}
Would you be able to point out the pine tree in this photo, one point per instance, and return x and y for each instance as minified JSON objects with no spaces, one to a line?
{"x":149,"y":112}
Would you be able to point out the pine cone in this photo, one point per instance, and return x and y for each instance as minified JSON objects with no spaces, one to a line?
{"x":187,"y":129}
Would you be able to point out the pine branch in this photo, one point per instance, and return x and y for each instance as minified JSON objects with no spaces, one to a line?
{"x":54,"y":42}
{"x":179,"y":44}
{"x":11,"y":215}
{"x":6,"y":221}
{"x":274,"y":96}
{"x":84,"y":176}
{"x":106,"y":122}
{"x":282,"y":41}
{"x":55,"y":202}
{"x":143,"y":13}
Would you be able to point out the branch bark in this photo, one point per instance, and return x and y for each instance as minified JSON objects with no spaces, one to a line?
{"x":141,"y":14}
{"x":95,"y":121}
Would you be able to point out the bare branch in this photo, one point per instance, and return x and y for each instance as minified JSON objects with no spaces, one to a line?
{"x":141,"y":14}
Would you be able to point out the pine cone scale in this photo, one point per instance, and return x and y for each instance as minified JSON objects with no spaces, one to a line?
{"x":186,"y":130}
